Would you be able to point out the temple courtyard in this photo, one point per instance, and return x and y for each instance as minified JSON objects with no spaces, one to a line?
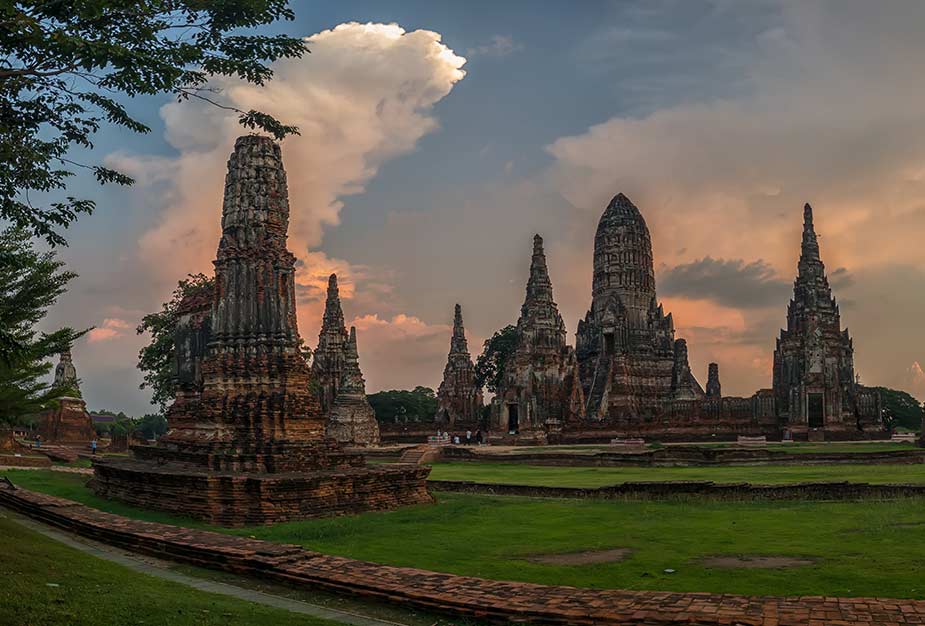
{"x":683,"y":544}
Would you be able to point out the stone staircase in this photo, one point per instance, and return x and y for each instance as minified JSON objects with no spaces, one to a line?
{"x":598,"y":387}
{"x":420,"y":455}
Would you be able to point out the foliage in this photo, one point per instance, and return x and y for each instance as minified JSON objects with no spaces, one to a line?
{"x":402,"y":406}
{"x":30,"y":283}
{"x":904,"y":409}
{"x":151,"y":425}
{"x":489,"y":368}
{"x":65,"y":66}
{"x":156,"y":360}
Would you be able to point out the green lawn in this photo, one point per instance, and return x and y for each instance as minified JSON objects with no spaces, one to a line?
{"x":47,"y":583}
{"x":597,"y":476}
{"x":859,"y":548}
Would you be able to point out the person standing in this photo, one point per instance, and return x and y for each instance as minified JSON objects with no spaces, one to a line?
{"x":93,"y":447}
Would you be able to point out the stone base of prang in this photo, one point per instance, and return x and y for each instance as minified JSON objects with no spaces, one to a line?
{"x":232,"y":488}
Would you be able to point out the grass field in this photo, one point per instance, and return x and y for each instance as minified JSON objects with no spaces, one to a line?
{"x":860,"y":549}
{"x":47,"y":583}
{"x":598,"y":476}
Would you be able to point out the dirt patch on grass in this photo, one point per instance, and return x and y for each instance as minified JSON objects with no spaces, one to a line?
{"x":757,"y":562}
{"x":587,"y":557}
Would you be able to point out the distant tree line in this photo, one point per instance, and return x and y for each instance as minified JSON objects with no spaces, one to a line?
{"x":403,"y":406}
{"x":902,"y":408}
{"x":149,"y":426}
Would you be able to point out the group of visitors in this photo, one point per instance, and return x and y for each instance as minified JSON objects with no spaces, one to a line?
{"x":469,"y":439}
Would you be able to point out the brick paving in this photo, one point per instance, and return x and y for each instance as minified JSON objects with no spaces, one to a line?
{"x":460,"y":595}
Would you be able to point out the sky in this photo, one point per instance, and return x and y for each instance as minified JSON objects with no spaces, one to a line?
{"x":438,"y":137}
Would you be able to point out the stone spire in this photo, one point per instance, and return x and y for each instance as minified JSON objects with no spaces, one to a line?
{"x":813,"y":378}
{"x":459,"y":401}
{"x":623,"y":265}
{"x":329,"y":362}
{"x":66,"y":373}
{"x":458,"y":344}
{"x":714,"y":390}
{"x":540,"y":323}
{"x":254,"y":378}
{"x":539,"y":387}
{"x":809,"y":249}
{"x":254,"y":305}
{"x":352,"y":420}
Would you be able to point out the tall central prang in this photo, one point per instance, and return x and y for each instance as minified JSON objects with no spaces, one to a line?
{"x":629,"y":361}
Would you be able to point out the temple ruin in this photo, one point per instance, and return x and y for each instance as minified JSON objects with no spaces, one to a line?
{"x":329,"y":360}
{"x":338,"y":381}
{"x":459,"y":401}
{"x":540,"y":390}
{"x":633,"y":375}
{"x":815,"y":388}
{"x":68,"y":423}
{"x":629,"y":361}
{"x":351,"y":420}
{"x":247,"y":442}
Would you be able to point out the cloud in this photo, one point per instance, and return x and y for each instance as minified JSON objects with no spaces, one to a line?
{"x":363,"y":96}
{"x":401,"y":352}
{"x":826,"y":112}
{"x":111,"y":328}
{"x":498,"y":46}
{"x":730,"y":282}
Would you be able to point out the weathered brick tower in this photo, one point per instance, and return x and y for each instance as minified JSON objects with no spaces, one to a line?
{"x":814,"y":385}
{"x":540,"y":390}
{"x":630,"y":363}
{"x":247,"y":440}
{"x":459,"y":401}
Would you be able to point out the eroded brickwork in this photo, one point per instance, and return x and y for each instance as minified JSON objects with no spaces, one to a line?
{"x":246,"y":431}
{"x":540,"y":388}
{"x":814,"y":382}
{"x":352,"y":420}
{"x":459,"y":401}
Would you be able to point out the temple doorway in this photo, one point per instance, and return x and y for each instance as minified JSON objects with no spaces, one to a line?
{"x":513,"y":419}
{"x":608,"y":343}
{"x":815,"y":410}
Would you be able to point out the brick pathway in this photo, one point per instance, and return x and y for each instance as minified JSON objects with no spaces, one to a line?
{"x":460,"y":595}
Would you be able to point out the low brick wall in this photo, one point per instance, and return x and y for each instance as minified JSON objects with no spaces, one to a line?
{"x":681,"y":456}
{"x":477,"y":598}
{"x":668,"y":490}
{"x":12,"y":460}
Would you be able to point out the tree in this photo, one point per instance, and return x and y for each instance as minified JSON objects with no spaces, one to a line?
{"x":902,"y":409}
{"x":30,"y":283}
{"x":156,"y":359}
{"x":65,"y":65}
{"x":401,"y":406}
{"x":152,"y":425}
{"x":489,"y":367}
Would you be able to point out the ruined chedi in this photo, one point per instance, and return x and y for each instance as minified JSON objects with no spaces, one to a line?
{"x":459,"y":401}
{"x":629,"y":361}
{"x":69,"y":423}
{"x":351,"y":420}
{"x":339,"y":383}
{"x":247,"y":442}
{"x":329,"y":359}
{"x":815,"y":389}
{"x":540,"y":390}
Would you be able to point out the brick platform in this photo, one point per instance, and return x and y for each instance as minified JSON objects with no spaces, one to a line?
{"x":460,"y":595}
